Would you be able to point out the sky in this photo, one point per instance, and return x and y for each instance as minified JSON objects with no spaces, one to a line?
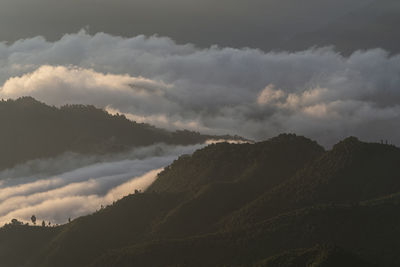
{"x":253,"y":23}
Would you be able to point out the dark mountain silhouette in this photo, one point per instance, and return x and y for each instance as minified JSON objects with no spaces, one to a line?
{"x":282,"y":202}
{"x":367,"y":232}
{"x":352,"y":171}
{"x":315,"y":256}
{"x":235,"y":175}
{"x":265,"y":162}
{"x":34,"y":130}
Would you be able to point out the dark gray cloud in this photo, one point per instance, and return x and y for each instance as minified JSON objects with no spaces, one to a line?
{"x":255,"y":23}
{"x":317,"y":92}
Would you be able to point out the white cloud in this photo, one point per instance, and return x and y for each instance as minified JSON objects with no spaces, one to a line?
{"x":70,"y":201}
{"x":34,"y":188}
{"x":216,"y":141}
{"x":269,"y":95}
{"x":317,"y":92}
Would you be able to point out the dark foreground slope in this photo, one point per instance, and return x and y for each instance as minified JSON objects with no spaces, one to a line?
{"x":283,"y":202}
{"x":352,"y":171}
{"x":368,"y":233}
{"x":31,"y":129}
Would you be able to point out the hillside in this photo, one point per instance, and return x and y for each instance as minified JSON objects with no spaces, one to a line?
{"x":368,"y":233}
{"x":222,"y":178}
{"x":46,"y":131}
{"x":352,"y":171}
{"x":281,"y":202}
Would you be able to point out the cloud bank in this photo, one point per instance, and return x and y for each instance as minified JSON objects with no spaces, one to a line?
{"x":82,"y":186}
{"x":317,"y":93}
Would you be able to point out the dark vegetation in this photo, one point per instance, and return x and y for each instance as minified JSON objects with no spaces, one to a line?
{"x":282,"y":202}
{"x":31,"y":130}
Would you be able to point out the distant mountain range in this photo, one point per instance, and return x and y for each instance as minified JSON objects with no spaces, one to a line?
{"x":32,"y":130}
{"x":282,"y":202}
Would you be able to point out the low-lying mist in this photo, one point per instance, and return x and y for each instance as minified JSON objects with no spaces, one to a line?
{"x":72,"y":185}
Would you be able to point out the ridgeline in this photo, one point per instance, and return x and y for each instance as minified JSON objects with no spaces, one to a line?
{"x":282,"y":202}
{"x":32,"y":130}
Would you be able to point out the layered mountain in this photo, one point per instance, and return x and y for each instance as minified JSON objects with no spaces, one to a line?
{"x":282,"y":202}
{"x":32,"y":130}
{"x":352,"y":171}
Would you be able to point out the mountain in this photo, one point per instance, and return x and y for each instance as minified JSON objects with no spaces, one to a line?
{"x":315,"y":256}
{"x":32,"y":130}
{"x":352,"y":171}
{"x":368,"y":233}
{"x":282,"y":202}
{"x":222,"y":178}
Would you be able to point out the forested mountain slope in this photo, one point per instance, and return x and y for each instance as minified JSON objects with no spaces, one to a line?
{"x":31,"y":130}
{"x":282,"y":202}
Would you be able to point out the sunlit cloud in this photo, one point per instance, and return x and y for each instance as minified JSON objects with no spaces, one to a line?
{"x":318,"y":92}
{"x":83,"y":189}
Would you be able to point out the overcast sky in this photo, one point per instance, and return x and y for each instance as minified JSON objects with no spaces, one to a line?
{"x":255,"y":23}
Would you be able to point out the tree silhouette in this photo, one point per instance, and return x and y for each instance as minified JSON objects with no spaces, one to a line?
{"x":16,"y":222}
{"x":33,"y":219}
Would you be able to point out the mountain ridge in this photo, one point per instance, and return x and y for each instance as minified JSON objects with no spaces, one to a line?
{"x":47,"y":131}
{"x":241,"y":214}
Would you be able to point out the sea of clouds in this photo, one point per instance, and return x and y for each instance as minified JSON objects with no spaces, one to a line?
{"x":72,"y":185}
{"x":256,"y":94}
{"x":318,"y":93}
